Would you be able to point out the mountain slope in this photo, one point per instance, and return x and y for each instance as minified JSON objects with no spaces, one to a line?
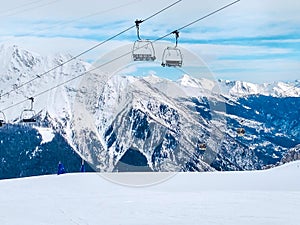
{"x":126,"y":123}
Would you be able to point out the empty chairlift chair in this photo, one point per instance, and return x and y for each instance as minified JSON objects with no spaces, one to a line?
{"x":172,"y":56}
{"x":142,"y":50}
{"x":28,"y":115}
{"x":2,"y":119}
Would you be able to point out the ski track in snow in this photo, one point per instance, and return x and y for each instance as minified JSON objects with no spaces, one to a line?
{"x":270,"y":197}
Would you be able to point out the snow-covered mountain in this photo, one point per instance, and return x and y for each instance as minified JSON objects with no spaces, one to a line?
{"x":275,"y":89}
{"x":121,"y":123}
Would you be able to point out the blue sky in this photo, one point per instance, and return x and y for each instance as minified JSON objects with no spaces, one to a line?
{"x":257,"y":41}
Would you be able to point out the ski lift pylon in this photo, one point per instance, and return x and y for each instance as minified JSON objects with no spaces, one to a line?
{"x":142,"y":49}
{"x":28,"y":115}
{"x":172,"y":56}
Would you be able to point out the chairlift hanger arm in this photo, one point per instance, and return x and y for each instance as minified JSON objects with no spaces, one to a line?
{"x":31,"y":102}
{"x":137,"y":25}
{"x":176,"y":32}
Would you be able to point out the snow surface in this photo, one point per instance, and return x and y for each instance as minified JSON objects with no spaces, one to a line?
{"x":46,"y":133}
{"x":227,"y":198}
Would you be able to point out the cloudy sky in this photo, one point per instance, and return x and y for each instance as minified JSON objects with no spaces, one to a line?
{"x":257,"y":40}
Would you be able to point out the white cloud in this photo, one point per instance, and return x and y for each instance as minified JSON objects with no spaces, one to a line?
{"x":219,"y":50}
{"x":70,"y":26}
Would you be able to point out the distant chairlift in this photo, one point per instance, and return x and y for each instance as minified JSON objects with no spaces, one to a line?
{"x":2,"y":119}
{"x":142,"y":50}
{"x":202,"y":146}
{"x":241,"y":131}
{"x":172,"y":56}
{"x":28,"y":115}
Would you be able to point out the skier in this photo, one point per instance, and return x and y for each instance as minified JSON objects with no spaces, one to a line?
{"x":61,"y":168}
{"x":82,"y":168}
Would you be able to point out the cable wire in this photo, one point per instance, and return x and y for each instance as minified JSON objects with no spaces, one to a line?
{"x":117,"y":58}
{"x":29,"y":9}
{"x":20,"y":6}
{"x":88,"y":50}
{"x":77,"y":19}
{"x":210,"y":14}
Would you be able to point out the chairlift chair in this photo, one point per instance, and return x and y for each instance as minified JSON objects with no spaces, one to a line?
{"x":202,"y":146}
{"x":172,"y":56}
{"x":2,"y":119}
{"x":28,"y":115}
{"x":241,"y":131}
{"x":142,"y":49}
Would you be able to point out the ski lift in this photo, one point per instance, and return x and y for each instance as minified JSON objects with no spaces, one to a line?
{"x":241,"y":131}
{"x":2,"y":119}
{"x":172,"y":56}
{"x":202,"y":146}
{"x":28,"y":115}
{"x":142,"y":50}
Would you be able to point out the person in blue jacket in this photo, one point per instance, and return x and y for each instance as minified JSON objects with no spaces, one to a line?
{"x":61,"y":168}
{"x":82,"y":168}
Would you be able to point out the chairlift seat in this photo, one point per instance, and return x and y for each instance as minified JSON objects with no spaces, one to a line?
{"x":29,"y":120}
{"x":143,"y":57}
{"x":173,"y":63}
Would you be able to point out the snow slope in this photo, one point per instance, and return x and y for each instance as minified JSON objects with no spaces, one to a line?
{"x":257,"y":197}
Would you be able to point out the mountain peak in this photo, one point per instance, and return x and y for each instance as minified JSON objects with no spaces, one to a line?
{"x":187,"y":80}
{"x":152,"y":78}
{"x":243,"y":88}
{"x":17,"y":59}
